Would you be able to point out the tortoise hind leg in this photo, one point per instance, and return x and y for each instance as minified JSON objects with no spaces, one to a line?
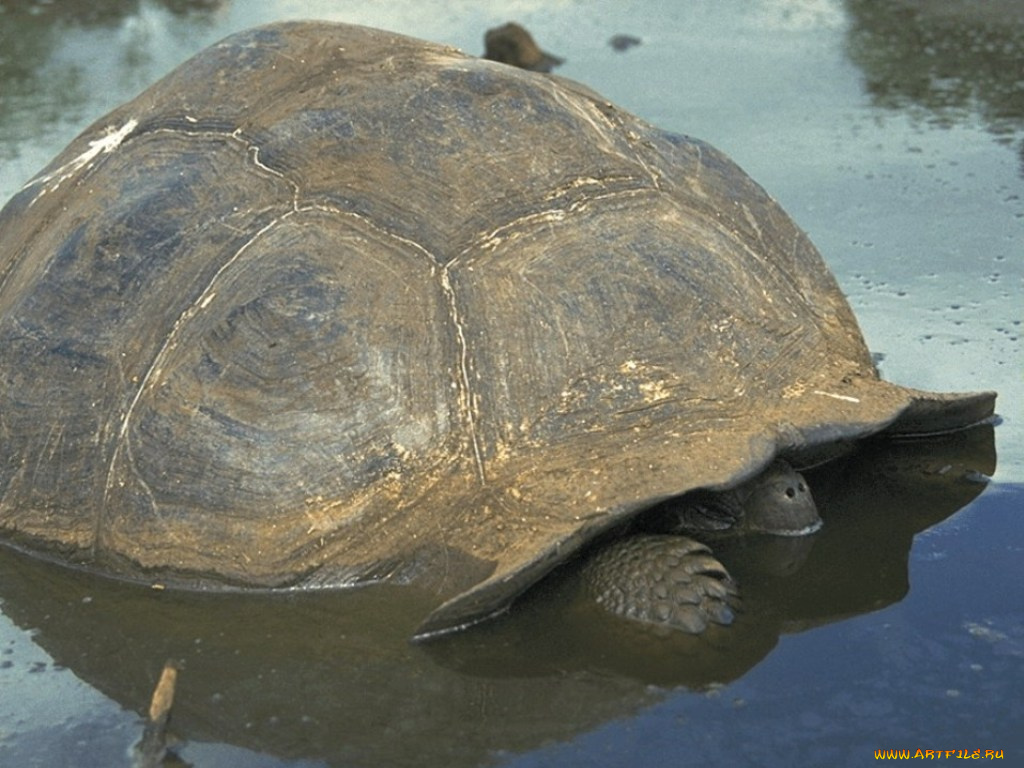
{"x":664,"y":580}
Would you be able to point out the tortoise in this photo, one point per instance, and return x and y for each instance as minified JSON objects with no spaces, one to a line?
{"x":512,"y":44}
{"x":328,"y":305}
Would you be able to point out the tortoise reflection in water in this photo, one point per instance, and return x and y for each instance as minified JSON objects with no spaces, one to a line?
{"x":328,"y":305}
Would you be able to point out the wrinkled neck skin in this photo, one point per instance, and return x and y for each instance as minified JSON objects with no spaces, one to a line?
{"x":776,"y":502}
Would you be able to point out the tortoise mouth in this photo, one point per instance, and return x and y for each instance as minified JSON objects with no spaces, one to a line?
{"x":806,"y":530}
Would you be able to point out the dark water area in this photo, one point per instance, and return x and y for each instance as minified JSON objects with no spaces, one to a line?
{"x":824,"y":658}
{"x":893,"y":133}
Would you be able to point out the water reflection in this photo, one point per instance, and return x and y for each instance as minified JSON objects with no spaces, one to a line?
{"x":63,"y":61}
{"x":333,"y":677}
{"x":97,"y":12}
{"x":949,"y":58}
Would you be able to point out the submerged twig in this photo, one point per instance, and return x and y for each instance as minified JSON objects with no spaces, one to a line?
{"x":152,"y":747}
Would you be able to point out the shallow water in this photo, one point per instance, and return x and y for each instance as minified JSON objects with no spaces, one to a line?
{"x":896,"y":142}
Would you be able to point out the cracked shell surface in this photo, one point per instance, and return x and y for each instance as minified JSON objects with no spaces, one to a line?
{"x":329,"y":305}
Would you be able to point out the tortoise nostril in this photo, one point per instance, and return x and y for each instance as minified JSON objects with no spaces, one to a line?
{"x":790,"y":492}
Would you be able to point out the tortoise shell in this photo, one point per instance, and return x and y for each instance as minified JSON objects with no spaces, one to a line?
{"x":329,"y":305}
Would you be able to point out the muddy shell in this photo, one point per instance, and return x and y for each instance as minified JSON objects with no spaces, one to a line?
{"x":329,"y":305}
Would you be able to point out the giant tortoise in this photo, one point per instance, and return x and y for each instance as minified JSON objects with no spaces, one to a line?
{"x":328,"y":305}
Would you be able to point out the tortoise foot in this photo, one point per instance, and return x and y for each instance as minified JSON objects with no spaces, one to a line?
{"x":665,"y":581}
